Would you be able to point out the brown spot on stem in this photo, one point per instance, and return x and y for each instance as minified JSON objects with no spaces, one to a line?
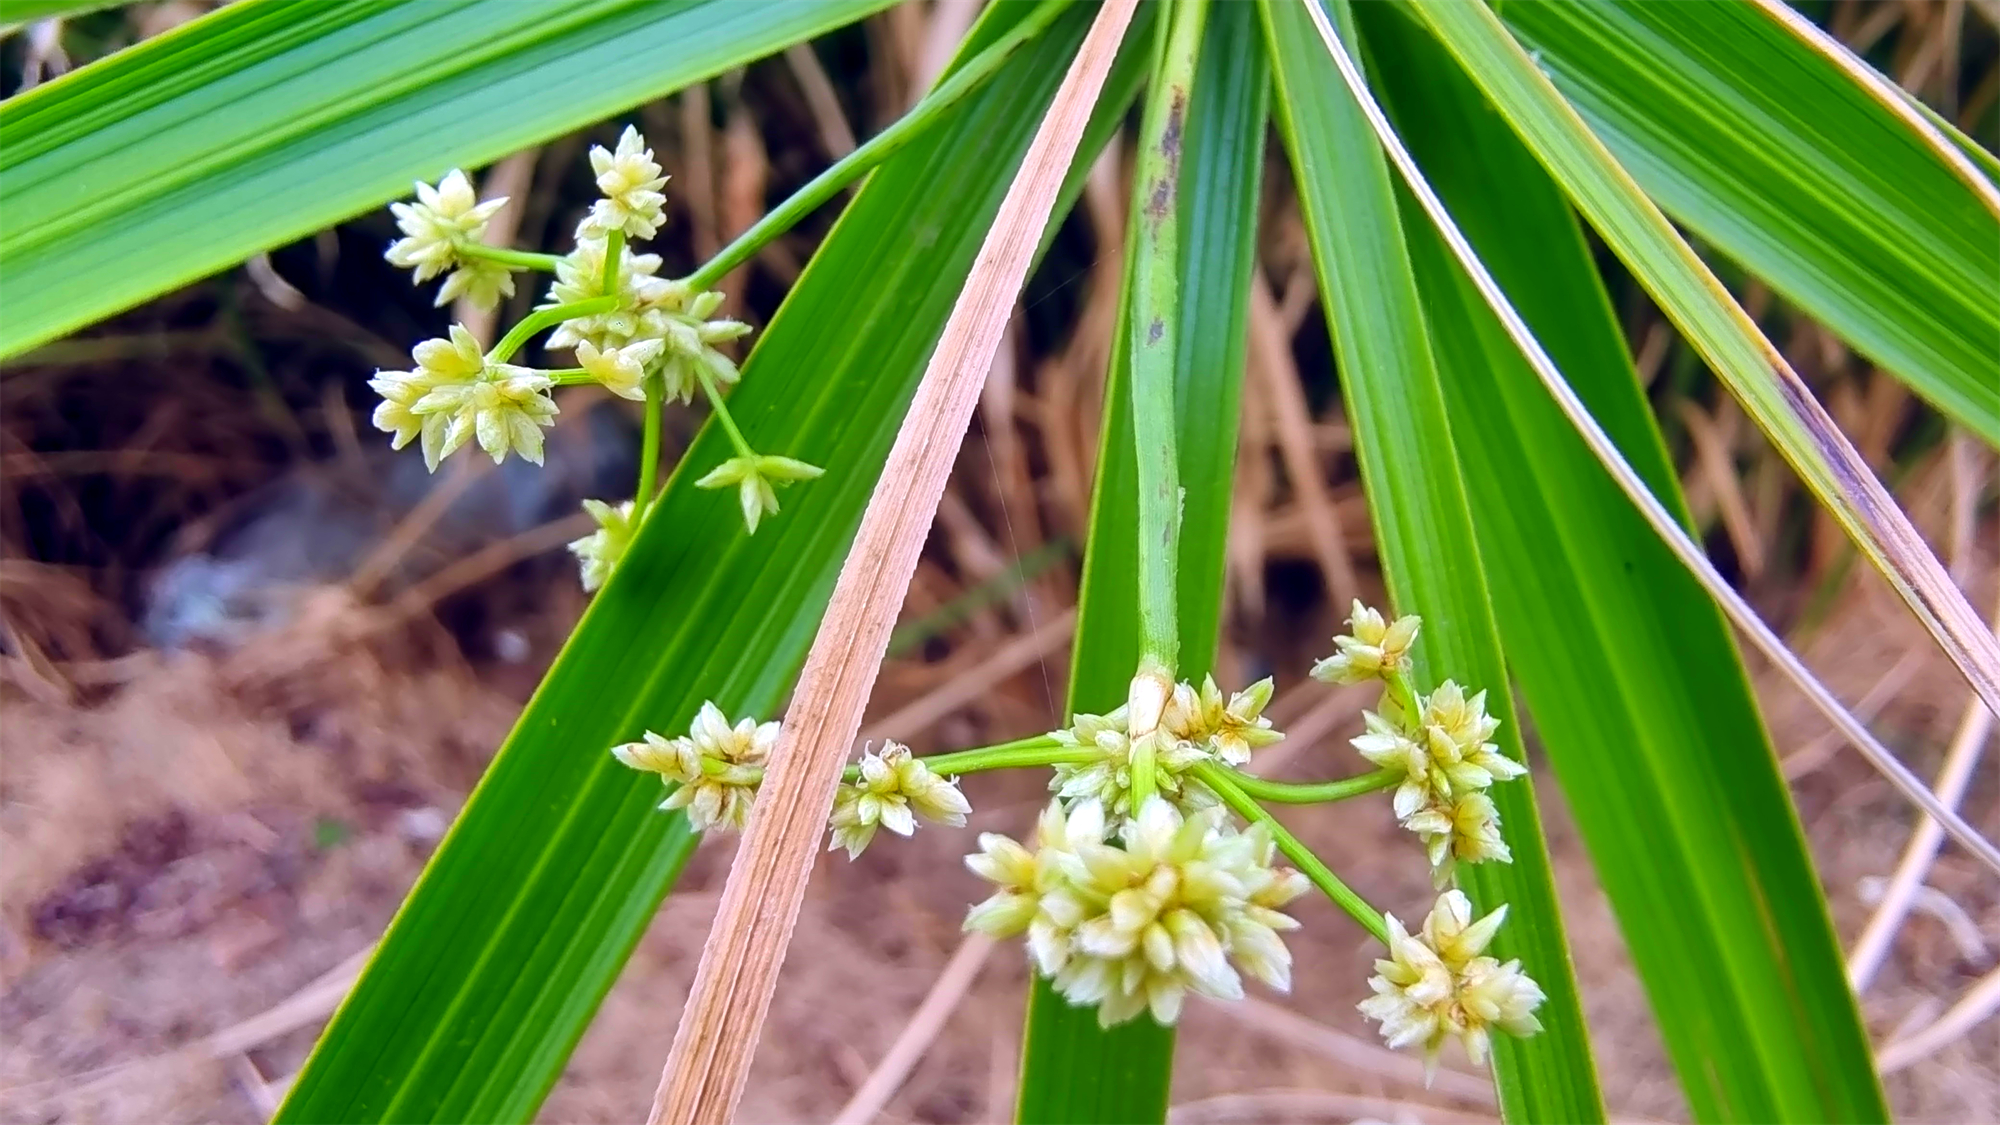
{"x":1170,"y":139}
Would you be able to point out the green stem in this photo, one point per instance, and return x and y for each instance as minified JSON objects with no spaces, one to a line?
{"x":1040,"y":750}
{"x":569,"y":376}
{"x":1224,"y":783}
{"x":649,"y":450}
{"x":614,"y":254}
{"x":1144,"y":765}
{"x":1021,"y":753}
{"x":1317,"y":792}
{"x":518,"y":259}
{"x":722,"y":411}
{"x":1398,"y":688}
{"x":1154,"y":330}
{"x":880,"y":147}
{"x":542,"y":318}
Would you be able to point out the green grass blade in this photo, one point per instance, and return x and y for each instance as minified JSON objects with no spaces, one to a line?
{"x":1614,"y":644}
{"x":14,"y":13}
{"x":1423,"y":525}
{"x":1771,"y":393}
{"x":268,"y":120}
{"x":496,"y":962}
{"x":1767,"y":151}
{"x":1072,"y":1071}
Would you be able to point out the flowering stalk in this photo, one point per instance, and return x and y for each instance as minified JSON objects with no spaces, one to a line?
{"x":1399,"y":691}
{"x":1041,"y":750}
{"x":614,"y":252}
{"x":1154,"y":328}
{"x":519,"y":259}
{"x":1315,"y":792}
{"x":547,"y":316}
{"x":1224,"y":783}
{"x":721,"y":408}
{"x":926,"y":113}
{"x":649,"y":449}
{"x":1150,"y":350}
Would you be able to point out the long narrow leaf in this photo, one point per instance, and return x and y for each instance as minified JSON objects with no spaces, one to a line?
{"x":493,"y":967}
{"x":14,"y":13}
{"x":1071,"y":1070}
{"x":1780,"y":161}
{"x":1720,"y":330}
{"x":1688,"y":823}
{"x":1422,"y":523}
{"x":270,"y":119}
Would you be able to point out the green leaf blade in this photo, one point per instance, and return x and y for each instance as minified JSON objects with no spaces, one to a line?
{"x":15,"y":13}
{"x":1636,"y":687}
{"x":265,"y":121}
{"x":1725,"y":336}
{"x":517,"y":927}
{"x":1771,"y":154}
{"x":1073,"y":1071}
{"x":1423,"y":526}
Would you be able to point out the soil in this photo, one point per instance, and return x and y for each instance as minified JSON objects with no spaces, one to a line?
{"x":198,"y":843}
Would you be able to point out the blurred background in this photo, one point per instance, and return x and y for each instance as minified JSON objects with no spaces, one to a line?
{"x":251,"y":662}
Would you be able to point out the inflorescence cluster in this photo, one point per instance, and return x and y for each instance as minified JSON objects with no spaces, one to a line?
{"x":1154,"y":870}
{"x":1130,"y":909}
{"x":635,"y":334}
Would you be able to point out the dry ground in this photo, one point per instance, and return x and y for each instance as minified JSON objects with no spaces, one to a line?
{"x":197,"y":844}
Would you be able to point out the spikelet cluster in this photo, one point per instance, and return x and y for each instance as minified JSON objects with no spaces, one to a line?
{"x":715,"y":768}
{"x":892,"y":791}
{"x":1173,"y":904}
{"x":1197,"y":725}
{"x":453,"y":394}
{"x":1443,"y":754}
{"x":656,"y":332}
{"x":1438,"y":985}
{"x":436,"y":229}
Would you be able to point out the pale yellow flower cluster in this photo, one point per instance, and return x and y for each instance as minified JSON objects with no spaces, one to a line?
{"x":442,"y":221}
{"x":655,"y":329}
{"x":597,"y":554}
{"x":1446,"y":763}
{"x":1437,"y":985}
{"x":631,"y":183}
{"x":1195,"y":726}
{"x":1370,"y":649}
{"x":454,"y":395}
{"x":1187,"y":904}
{"x":893,"y":791}
{"x":715,"y":769}
{"x":679,"y":323}
{"x":1443,"y":754}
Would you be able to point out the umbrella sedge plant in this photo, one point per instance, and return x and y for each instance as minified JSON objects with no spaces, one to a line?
{"x":1491,"y":396}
